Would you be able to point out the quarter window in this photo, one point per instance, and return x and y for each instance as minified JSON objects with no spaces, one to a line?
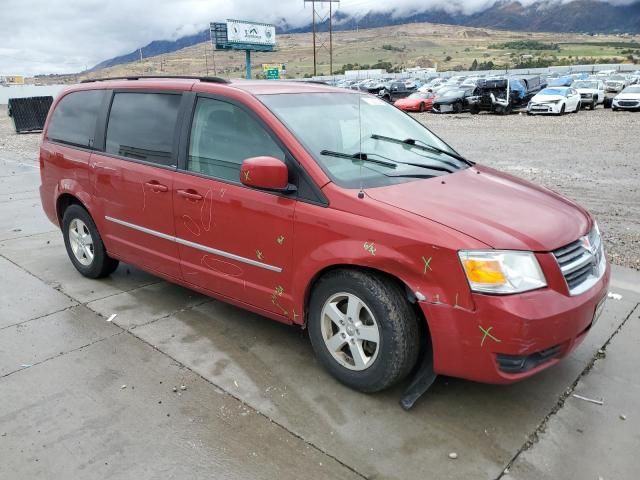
{"x":74,"y":119}
{"x":142,"y":126}
{"x":222,"y":136}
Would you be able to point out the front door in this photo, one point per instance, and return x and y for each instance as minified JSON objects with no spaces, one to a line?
{"x":133,"y":180}
{"x":233,"y":240}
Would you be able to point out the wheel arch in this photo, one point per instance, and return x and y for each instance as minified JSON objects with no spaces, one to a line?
{"x":64,"y":201}
{"x":425,"y":334}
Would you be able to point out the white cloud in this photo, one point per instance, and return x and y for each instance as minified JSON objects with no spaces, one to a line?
{"x":57,"y":36}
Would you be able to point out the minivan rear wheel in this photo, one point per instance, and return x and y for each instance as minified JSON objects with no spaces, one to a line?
{"x":362,"y":329}
{"x":84,"y":244}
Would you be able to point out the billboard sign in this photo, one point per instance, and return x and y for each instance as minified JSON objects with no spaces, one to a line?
{"x":250,"y":33}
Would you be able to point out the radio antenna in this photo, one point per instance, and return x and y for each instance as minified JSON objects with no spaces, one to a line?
{"x":361,"y":192}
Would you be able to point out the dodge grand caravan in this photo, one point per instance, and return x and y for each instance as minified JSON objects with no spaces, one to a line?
{"x":328,"y":209}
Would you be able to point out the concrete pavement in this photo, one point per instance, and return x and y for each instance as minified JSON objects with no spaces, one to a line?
{"x":256,"y":404}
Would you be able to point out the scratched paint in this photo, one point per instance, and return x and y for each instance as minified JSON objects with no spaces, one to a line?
{"x":370,"y":247}
{"x":225,"y":268}
{"x":247,"y":175}
{"x":259,"y":255}
{"x":280,"y":240}
{"x":206,"y":211}
{"x":191,"y":225}
{"x":487,"y":333}
{"x":275,"y":299}
{"x":427,"y":265}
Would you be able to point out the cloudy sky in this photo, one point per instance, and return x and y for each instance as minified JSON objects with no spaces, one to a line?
{"x":64,"y":36}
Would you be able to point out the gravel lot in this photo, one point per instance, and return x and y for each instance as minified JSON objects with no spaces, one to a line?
{"x":592,"y":158}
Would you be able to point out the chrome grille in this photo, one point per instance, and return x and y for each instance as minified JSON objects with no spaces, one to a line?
{"x":582,"y":262}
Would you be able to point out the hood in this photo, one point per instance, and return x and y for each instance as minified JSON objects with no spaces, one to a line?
{"x":502,"y":211}
{"x":547,"y":98}
{"x":587,"y":90}
{"x":628,"y":96}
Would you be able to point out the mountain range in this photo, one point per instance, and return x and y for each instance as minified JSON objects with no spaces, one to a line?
{"x":592,"y":16}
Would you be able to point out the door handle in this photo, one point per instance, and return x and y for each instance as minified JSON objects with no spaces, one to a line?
{"x":157,"y":187}
{"x":190,"y":195}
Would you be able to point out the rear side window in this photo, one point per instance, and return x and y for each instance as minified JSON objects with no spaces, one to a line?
{"x":142,"y":126}
{"x":74,"y":119}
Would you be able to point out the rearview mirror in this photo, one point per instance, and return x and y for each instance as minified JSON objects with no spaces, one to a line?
{"x":266,"y":173}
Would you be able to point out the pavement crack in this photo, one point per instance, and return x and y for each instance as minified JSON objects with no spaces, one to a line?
{"x":541,"y":428}
{"x":256,"y":411}
{"x":62,"y":354}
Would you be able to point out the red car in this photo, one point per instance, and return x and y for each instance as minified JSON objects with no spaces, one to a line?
{"x":416,"y":102}
{"x":330,"y":210}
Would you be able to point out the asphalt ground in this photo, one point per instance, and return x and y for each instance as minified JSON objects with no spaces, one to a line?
{"x":82,"y":397}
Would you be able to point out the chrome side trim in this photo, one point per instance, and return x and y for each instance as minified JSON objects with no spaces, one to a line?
{"x":197,"y":246}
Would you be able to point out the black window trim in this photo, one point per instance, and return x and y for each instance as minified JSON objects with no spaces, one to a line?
{"x":292,"y":163}
{"x":104,"y":124}
{"x":96,"y":133}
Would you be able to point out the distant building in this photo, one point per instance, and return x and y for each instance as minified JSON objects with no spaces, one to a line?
{"x":11,"y":80}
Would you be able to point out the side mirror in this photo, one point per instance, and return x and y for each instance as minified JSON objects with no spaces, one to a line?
{"x":266,"y":173}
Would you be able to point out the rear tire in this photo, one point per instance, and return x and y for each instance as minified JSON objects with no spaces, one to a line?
{"x":348,"y":305}
{"x":84,"y":244}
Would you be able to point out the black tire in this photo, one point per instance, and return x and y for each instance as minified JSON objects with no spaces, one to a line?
{"x":594,"y":104}
{"x":399,"y":345}
{"x":421,"y":107}
{"x":102,"y":264}
{"x":578,"y":107}
{"x":457,"y":107}
{"x":562,"y":110}
{"x":474,"y":109}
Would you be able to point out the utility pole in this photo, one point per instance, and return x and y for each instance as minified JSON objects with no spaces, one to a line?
{"x":320,"y":19}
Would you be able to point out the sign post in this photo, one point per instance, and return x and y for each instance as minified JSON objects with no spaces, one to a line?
{"x":243,"y":35}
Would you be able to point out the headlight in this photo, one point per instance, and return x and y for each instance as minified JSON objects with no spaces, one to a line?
{"x":555,"y":101}
{"x":502,"y":272}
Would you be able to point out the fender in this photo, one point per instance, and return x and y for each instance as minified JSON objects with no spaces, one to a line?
{"x":429,"y":272}
{"x":75,"y":189}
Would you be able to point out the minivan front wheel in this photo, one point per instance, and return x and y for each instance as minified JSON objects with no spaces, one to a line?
{"x":362,"y":329}
{"x":84,"y":244}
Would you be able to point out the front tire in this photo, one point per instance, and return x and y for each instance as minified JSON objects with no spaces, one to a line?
{"x":362,"y":329}
{"x":562,"y":110}
{"x":422,"y":108}
{"x":84,"y":244}
{"x":457,"y":108}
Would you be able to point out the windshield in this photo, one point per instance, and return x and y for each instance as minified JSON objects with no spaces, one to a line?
{"x":554,"y":91}
{"x":453,"y":93}
{"x":634,"y":89}
{"x":347,"y":123}
{"x":583,"y":84}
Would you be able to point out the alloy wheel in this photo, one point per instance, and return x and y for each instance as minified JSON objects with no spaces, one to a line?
{"x":350,"y":331}
{"x":81,"y":242}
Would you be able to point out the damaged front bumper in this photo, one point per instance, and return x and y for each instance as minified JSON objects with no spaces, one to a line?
{"x":509,"y":338}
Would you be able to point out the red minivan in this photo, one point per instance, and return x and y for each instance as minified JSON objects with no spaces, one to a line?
{"x":328,"y":209}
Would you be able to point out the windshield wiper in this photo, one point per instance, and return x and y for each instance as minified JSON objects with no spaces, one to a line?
{"x":387,"y":162}
{"x":359,"y":156}
{"x":423,"y":146}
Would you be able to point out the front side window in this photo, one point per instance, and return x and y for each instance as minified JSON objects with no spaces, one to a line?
{"x":142,"y":126}
{"x":223,"y":135}
{"x":336,"y":127}
{"x":74,"y":119}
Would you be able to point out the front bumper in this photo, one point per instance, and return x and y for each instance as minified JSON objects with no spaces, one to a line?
{"x":552,"y":108}
{"x":508,"y":338}
{"x":626,"y":104}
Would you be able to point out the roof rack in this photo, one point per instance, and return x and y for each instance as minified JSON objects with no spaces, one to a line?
{"x":161,"y":77}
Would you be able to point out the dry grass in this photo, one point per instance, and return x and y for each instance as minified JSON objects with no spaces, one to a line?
{"x":420,"y":43}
